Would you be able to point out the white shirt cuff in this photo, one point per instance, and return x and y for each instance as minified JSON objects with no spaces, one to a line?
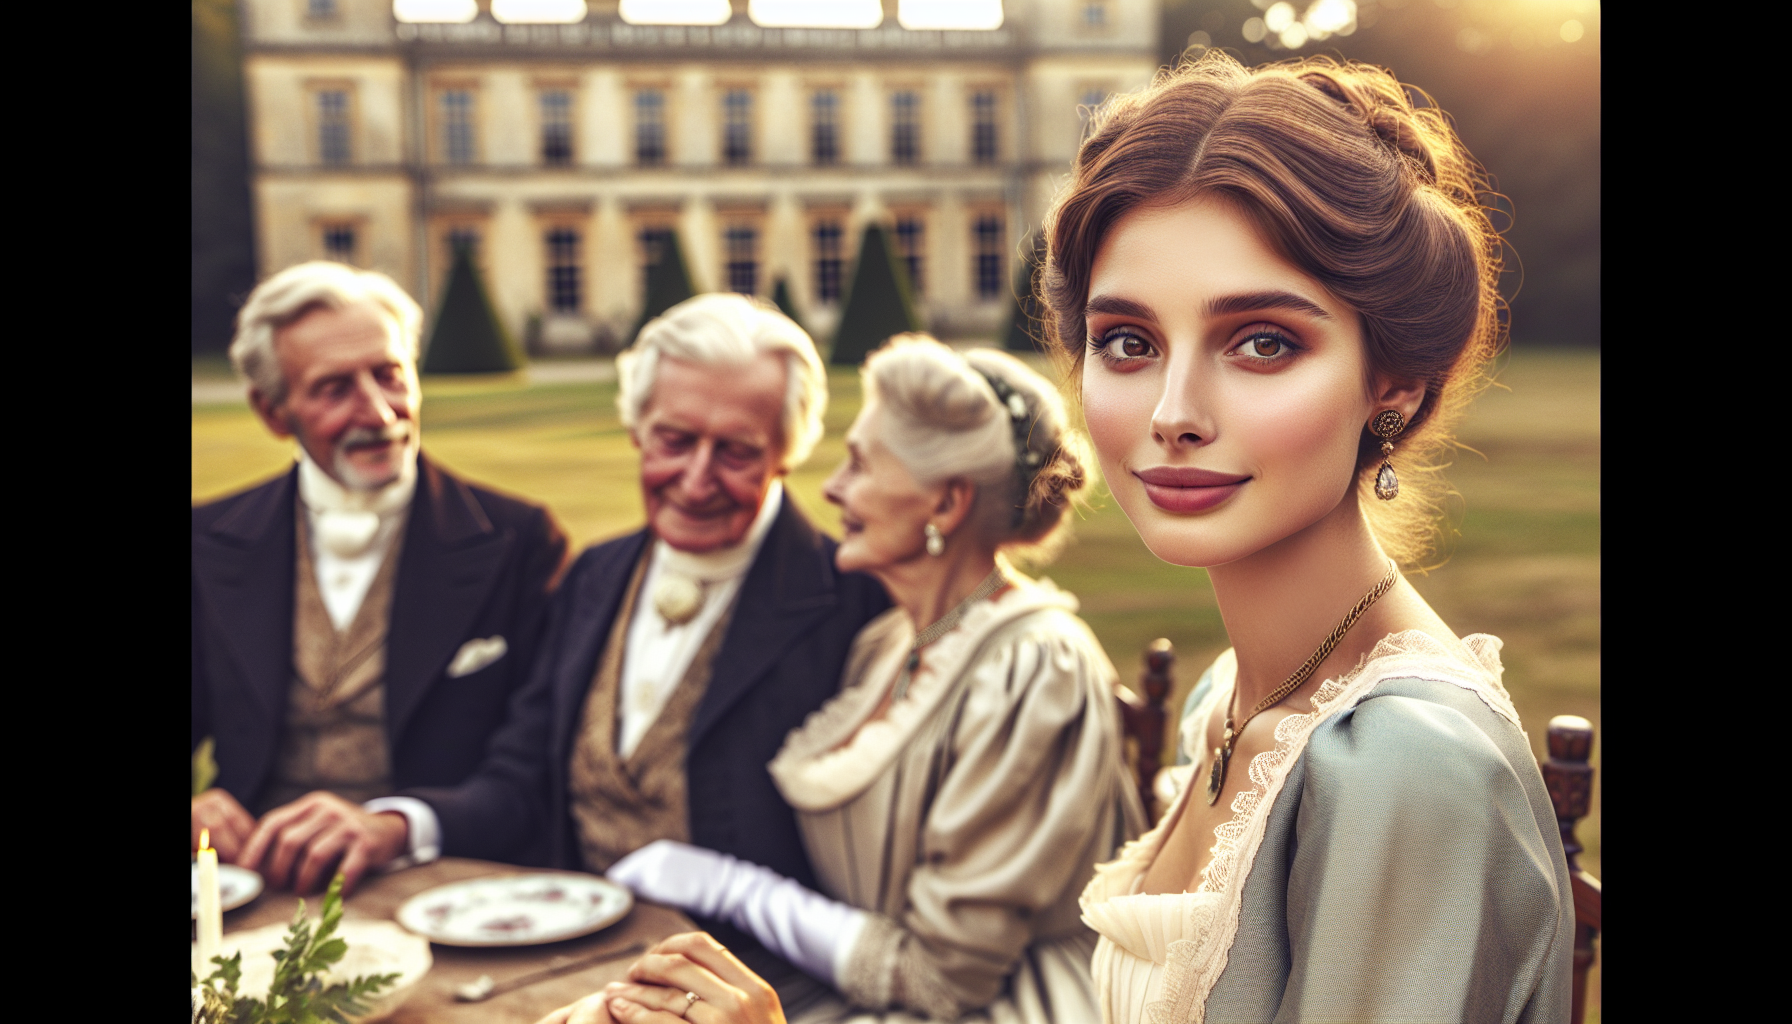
{"x":425,"y":833}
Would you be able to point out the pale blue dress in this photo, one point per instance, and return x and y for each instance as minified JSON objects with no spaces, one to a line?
{"x":1395,"y":858}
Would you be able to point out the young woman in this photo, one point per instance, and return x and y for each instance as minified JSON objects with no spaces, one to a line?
{"x":958,"y":793}
{"x":1278,"y":286}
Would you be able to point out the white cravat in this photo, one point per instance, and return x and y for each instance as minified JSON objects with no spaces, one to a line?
{"x":659,"y":651}
{"x":351,"y":531}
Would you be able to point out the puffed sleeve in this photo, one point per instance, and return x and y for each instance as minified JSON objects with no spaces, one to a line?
{"x":1421,"y":887}
{"x":1027,"y":804}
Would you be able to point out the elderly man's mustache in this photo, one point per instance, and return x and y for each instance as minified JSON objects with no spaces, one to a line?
{"x":358,"y":437}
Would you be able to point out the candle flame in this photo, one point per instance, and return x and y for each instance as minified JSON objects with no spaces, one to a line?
{"x":205,"y":839}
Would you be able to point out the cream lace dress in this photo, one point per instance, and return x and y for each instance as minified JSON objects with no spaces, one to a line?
{"x":969,"y":817}
{"x":1395,"y":857}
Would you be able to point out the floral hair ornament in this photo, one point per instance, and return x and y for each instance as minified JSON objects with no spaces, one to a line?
{"x":1020,"y":421}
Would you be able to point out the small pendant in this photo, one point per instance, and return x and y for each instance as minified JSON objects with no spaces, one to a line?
{"x":1216,"y":776}
{"x":1387,"y":485}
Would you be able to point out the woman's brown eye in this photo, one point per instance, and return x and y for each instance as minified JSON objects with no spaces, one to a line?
{"x":1266,"y":347}
{"x":1134,"y":346}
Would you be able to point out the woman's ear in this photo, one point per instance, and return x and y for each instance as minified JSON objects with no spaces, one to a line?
{"x":954,"y":505}
{"x":1403,"y":396}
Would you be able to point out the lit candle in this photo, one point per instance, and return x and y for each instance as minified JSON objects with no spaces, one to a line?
{"x":211,"y":911}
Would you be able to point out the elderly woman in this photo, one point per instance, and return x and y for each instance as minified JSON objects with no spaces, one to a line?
{"x":957,"y":794}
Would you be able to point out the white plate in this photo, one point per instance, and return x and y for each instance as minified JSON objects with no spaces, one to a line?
{"x":374,"y":947}
{"x":236,"y":886}
{"x":516,"y":910}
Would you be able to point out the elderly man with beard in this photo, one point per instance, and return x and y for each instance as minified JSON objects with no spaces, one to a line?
{"x":362,"y":623}
{"x":678,"y":657}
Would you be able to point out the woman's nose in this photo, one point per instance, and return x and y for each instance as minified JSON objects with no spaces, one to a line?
{"x":1181,"y":418}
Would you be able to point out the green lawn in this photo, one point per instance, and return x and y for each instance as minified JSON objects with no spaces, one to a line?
{"x":1525,"y":566}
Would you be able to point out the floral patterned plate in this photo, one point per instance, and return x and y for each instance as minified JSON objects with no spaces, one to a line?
{"x":236,"y":886}
{"x":516,"y":910}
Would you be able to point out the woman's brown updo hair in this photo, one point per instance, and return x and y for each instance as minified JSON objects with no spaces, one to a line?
{"x":1349,"y":180}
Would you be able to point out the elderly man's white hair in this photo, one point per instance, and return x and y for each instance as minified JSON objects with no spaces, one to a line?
{"x":725,"y":329}
{"x":298,"y":290}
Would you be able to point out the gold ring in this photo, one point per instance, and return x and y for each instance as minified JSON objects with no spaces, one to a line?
{"x":690,"y":999}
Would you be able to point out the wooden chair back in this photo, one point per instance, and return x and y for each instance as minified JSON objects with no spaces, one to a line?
{"x":1143,"y":718}
{"x":1570,"y":781}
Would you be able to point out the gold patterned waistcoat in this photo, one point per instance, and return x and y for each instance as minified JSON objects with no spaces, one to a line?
{"x":334,"y":735}
{"x":622,"y":805}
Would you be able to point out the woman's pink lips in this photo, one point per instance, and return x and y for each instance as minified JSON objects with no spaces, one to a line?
{"x":1184,"y":489}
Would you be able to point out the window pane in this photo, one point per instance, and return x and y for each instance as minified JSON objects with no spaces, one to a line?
{"x":457,"y":126}
{"x":556,"y":127}
{"x":320,"y":9}
{"x":332,"y":126}
{"x":983,"y":127}
{"x":988,"y":267}
{"x":339,"y":242}
{"x":741,"y":243}
{"x":905,"y":127}
{"x":737,"y":126}
{"x":650,"y":127}
{"x":564,"y":285}
{"x":911,"y":240}
{"x":828,"y":264}
{"x":824,"y":137}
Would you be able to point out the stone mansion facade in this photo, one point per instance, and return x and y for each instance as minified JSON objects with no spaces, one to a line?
{"x":564,"y":154}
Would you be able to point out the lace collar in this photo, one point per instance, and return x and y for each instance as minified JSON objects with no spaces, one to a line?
{"x":835,"y":755}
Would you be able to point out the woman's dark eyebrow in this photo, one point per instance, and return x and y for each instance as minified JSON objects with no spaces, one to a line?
{"x":1255,"y":301}
{"x":1119,"y":307}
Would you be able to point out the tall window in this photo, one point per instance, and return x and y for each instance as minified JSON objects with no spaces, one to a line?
{"x":741,"y":243}
{"x":320,"y":10}
{"x":556,"y":127}
{"x":737,"y":127}
{"x":461,"y":236}
{"x":1095,"y":14}
{"x":987,"y":235}
{"x":828,"y":262}
{"x":332,"y":126}
{"x":457,"y":126}
{"x":983,"y":127}
{"x":650,"y":127}
{"x":905,"y":126}
{"x":911,"y":241}
{"x":339,"y":242}
{"x":565,"y":291}
{"x":654,"y":240}
{"x":824,"y":127}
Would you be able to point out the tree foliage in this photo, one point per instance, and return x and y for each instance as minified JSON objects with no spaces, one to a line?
{"x":223,"y":267}
{"x":668,"y":284}
{"x":879,"y":302}
{"x":468,"y":337}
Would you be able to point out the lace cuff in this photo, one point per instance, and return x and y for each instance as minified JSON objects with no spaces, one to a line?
{"x":868,"y":977}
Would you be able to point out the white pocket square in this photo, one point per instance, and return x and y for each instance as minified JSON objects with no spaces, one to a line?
{"x":475,"y":655}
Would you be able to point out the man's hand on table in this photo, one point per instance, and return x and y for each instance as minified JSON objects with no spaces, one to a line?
{"x":230,"y":825}
{"x":298,"y":845}
{"x":727,"y":991}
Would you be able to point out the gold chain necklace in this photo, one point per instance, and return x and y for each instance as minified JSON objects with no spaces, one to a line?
{"x":991,"y":583}
{"x":1222,"y":754}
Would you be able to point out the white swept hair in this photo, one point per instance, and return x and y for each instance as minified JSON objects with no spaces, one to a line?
{"x":726,"y":329}
{"x":297,"y":290}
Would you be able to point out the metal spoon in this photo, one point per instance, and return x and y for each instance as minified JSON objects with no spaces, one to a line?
{"x":483,"y":987}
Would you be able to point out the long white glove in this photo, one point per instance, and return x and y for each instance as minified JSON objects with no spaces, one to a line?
{"x":799,"y":924}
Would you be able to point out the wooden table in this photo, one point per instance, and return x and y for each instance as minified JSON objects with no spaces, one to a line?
{"x":379,"y":897}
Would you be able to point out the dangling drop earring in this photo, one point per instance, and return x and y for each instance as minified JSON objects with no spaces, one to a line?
{"x":936,"y":542}
{"x":1387,"y":425}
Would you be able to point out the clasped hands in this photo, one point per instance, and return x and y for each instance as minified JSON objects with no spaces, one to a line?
{"x":662,"y":982}
{"x":296,"y":846}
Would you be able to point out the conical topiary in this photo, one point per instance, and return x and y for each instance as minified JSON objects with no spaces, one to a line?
{"x":879,"y":303}
{"x":1026,"y":316}
{"x":786,"y":305}
{"x":668,"y":284}
{"x":468,"y":337}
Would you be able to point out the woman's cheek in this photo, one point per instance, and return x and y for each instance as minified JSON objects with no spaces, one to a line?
{"x":1117,"y":416}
